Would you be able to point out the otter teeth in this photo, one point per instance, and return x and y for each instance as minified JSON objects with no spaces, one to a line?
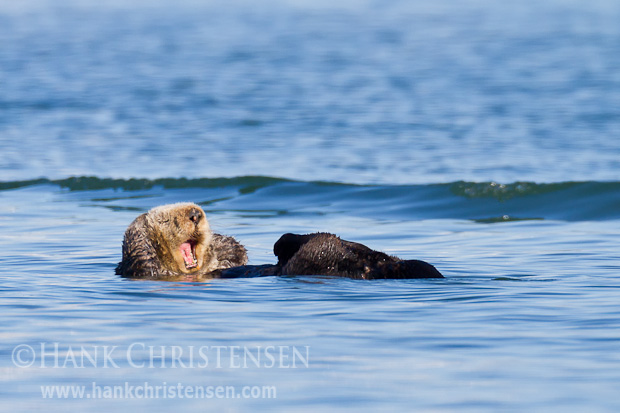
{"x":188,"y":255}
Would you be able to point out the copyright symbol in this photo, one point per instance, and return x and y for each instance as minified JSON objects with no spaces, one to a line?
{"x":23,"y":355}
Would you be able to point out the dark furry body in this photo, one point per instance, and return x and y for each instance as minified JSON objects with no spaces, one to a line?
{"x":327,"y":254}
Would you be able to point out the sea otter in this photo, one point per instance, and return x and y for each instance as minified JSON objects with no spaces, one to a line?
{"x":175,"y":241}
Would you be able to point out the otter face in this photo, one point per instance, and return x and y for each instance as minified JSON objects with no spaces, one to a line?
{"x":182,"y":236}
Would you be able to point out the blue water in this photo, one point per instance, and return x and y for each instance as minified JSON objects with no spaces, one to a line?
{"x":479,"y":136}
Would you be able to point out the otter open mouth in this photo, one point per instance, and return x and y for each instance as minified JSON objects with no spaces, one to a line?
{"x":188,"y":251}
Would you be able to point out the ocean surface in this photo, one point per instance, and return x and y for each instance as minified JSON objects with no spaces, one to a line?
{"x":480,"y":136}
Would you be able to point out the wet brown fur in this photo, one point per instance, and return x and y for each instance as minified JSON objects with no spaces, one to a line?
{"x":327,"y":254}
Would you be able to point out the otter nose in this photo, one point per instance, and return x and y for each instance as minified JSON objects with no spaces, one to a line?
{"x":195,"y":215}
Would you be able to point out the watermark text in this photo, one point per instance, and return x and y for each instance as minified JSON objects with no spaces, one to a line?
{"x":143,"y":356}
{"x":162,"y":390}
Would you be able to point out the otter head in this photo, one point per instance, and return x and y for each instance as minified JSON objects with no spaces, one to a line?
{"x":182,"y":236}
{"x":166,"y":241}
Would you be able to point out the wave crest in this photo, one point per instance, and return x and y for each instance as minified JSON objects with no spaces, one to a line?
{"x":485,"y":202}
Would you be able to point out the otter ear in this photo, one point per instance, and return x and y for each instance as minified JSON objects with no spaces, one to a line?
{"x":139,"y":254}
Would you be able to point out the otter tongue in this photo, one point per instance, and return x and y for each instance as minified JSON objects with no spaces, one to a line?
{"x":188,"y":257}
